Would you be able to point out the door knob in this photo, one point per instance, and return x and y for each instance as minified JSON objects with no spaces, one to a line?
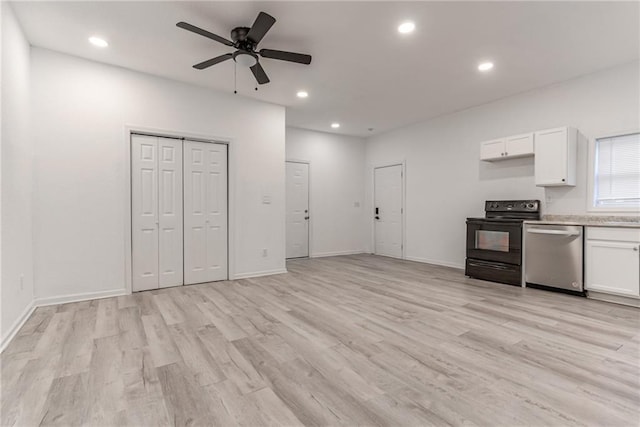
{"x":377,"y":217}
{"x":306,"y":217}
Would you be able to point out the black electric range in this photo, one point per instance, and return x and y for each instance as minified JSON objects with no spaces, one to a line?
{"x":494,"y":243}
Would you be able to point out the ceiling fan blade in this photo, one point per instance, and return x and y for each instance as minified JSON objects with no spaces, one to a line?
{"x":213,"y":61}
{"x":262,"y":24}
{"x":300,"y":58}
{"x":259,"y":74}
{"x":205,"y":33}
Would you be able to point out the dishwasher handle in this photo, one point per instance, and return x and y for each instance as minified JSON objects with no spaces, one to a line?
{"x":553,"y":232}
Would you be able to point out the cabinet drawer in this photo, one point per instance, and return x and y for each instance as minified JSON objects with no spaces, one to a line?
{"x":614,"y":234}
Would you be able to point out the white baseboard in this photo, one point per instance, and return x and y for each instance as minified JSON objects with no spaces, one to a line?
{"x":259,"y":273}
{"x":41,"y":302}
{"x":21,"y":320}
{"x":632,"y":301}
{"x":338,"y":253}
{"x":435,"y":262}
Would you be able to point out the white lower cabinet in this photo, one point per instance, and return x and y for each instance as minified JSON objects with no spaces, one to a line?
{"x":612,"y":257}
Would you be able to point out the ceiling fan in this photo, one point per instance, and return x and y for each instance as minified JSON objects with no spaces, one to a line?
{"x":245,"y":40}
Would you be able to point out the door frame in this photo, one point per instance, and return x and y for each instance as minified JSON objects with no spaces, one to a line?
{"x":403,"y":180}
{"x":310,"y":229}
{"x":231,"y":182}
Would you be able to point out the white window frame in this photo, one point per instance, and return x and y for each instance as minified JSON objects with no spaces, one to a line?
{"x":591,"y":170}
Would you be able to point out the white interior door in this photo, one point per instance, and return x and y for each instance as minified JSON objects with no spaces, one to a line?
{"x":205,"y":212}
{"x":170,"y":212}
{"x":144,"y":212}
{"x":388,"y":211}
{"x":297,"y":217}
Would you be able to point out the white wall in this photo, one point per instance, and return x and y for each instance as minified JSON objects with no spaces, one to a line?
{"x":337,"y":165}
{"x":446,"y":181}
{"x":17,"y":170}
{"x":81,"y":109}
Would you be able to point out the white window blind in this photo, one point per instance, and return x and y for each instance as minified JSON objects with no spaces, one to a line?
{"x":617,"y":171}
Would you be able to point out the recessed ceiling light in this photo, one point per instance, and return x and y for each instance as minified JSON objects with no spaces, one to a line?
{"x":485,"y":66}
{"x":406,"y":27}
{"x":335,"y":125}
{"x":302,"y":94}
{"x":97,"y":41}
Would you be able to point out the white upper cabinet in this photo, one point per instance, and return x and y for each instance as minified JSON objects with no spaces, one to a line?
{"x":555,"y":152}
{"x":519,"y":146}
{"x":507,"y":148}
{"x":492,"y":150}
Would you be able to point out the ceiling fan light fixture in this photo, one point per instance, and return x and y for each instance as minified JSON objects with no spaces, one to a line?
{"x":245,"y":59}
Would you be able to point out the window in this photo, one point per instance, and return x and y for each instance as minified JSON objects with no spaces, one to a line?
{"x":617,"y":172}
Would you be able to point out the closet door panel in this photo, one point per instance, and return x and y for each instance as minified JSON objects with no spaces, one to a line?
{"x":170,"y":212}
{"x":216,"y":158}
{"x":195,"y":242}
{"x":144,"y":212}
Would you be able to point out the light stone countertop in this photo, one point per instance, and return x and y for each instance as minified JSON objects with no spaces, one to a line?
{"x":589,"y":221}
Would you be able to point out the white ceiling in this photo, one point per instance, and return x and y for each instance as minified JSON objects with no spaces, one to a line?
{"x":364,"y":74}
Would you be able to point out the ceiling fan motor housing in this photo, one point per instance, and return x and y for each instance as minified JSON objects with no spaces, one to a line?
{"x":240,"y":40}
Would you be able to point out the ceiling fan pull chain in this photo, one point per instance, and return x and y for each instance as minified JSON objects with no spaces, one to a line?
{"x":235,"y":78}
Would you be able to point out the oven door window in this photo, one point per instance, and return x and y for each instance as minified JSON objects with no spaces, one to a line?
{"x":492,"y":240}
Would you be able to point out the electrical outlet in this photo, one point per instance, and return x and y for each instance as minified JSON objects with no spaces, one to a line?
{"x":22,"y":282}
{"x":265,"y":253}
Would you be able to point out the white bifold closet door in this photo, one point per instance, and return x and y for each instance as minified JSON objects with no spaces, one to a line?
{"x":156,"y":207}
{"x":205,"y":212}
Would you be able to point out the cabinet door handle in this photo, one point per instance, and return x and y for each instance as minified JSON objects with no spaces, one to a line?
{"x":506,"y":154}
{"x":635,"y":248}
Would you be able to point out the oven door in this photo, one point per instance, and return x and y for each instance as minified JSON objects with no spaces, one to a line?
{"x":494,"y":241}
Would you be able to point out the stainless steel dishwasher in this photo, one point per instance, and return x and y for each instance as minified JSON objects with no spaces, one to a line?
{"x":553,"y":256}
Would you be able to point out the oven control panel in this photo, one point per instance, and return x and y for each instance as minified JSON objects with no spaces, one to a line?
{"x":531,"y":206}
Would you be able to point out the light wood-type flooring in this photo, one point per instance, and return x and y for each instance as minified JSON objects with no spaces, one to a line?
{"x":352,"y":340}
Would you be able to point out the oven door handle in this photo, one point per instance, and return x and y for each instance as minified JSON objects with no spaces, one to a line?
{"x":553,"y":232}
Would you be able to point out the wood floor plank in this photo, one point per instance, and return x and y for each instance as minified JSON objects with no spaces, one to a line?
{"x":349,"y":340}
{"x":185,"y":400}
